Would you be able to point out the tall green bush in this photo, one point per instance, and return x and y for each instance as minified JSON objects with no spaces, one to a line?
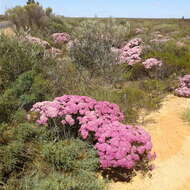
{"x":92,"y":48}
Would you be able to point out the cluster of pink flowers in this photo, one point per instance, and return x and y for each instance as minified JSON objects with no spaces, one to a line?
{"x":122,"y":145}
{"x":152,"y":62}
{"x":131,"y":52}
{"x":82,"y":106}
{"x":118,"y":145}
{"x":38,"y":41}
{"x":184,"y":87}
{"x":61,"y":38}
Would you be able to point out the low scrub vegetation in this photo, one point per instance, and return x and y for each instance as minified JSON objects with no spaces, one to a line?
{"x":186,"y":115}
{"x":72,"y":91}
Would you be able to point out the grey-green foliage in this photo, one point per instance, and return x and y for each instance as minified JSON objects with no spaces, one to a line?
{"x":27,"y":89}
{"x":26,"y":132}
{"x":23,"y":76}
{"x":15,"y":148}
{"x":92,"y":49}
{"x":109,"y":28}
{"x":17,"y":57}
{"x":71,"y":155}
{"x":186,"y":115}
{"x":58,"y":181}
{"x":176,"y":59}
{"x":10,"y":158}
{"x":31,"y":15}
{"x":29,"y":160}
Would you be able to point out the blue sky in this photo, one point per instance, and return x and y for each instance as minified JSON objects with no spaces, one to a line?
{"x":113,"y":8}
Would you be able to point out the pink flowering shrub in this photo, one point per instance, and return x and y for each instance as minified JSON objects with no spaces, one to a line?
{"x":118,"y":145}
{"x":61,"y":38}
{"x":38,"y":41}
{"x":132,"y":55}
{"x":81,"y":106}
{"x":122,"y":145}
{"x":152,"y":63}
{"x":131,"y":52}
{"x":184,"y":86}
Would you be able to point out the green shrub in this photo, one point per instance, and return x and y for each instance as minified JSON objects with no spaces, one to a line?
{"x":71,"y":155}
{"x":92,"y":49}
{"x":134,"y":72}
{"x":28,"y":159}
{"x":20,"y":116}
{"x":24,"y":76}
{"x":16,"y":151}
{"x":17,"y":58}
{"x":26,"y":132}
{"x":31,"y":15}
{"x":56,"y":180}
{"x":176,"y":59}
{"x":11,"y":157}
{"x":4,"y":137}
{"x":58,"y":24}
{"x":64,"y":78}
{"x":28,"y":89}
{"x":133,"y":100}
{"x":20,"y":151}
{"x":186,"y":115}
{"x":134,"y":97}
{"x":166,"y":27}
{"x":155,"y":91}
{"x":154,"y":86}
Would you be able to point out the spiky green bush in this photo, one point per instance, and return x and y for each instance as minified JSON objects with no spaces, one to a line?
{"x":23,"y":76}
{"x":82,"y":181}
{"x":29,"y":160}
{"x":18,"y":150}
{"x":71,"y":155}
{"x":28,"y":88}
{"x":16,"y":58}
{"x":186,"y":115}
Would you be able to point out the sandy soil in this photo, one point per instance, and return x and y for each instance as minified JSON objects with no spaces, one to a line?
{"x":8,"y":31}
{"x":171,"y":141}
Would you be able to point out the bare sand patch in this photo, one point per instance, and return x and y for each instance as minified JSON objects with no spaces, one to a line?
{"x":171,"y":141}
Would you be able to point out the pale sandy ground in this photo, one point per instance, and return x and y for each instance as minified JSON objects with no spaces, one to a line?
{"x":8,"y":31}
{"x":171,"y":141}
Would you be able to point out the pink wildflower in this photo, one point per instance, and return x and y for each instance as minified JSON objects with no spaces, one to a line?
{"x":152,"y":62}
{"x":61,"y":37}
{"x":184,"y":87}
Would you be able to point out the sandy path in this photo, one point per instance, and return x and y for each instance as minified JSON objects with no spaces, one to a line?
{"x":171,"y":141}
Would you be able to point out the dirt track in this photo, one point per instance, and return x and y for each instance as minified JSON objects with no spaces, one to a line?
{"x":171,"y":141}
